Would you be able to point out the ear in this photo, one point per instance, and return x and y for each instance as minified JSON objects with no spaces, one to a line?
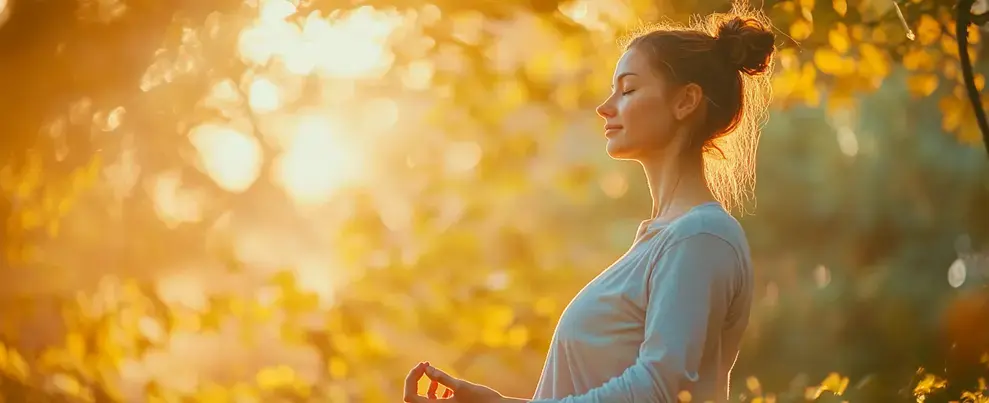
{"x":688,"y":100}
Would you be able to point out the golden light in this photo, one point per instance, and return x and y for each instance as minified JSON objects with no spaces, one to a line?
{"x":957,"y":273}
{"x":462,"y":156}
{"x":4,"y":11}
{"x":172,"y":204}
{"x":260,"y":42}
{"x":352,"y":46}
{"x":274,"y":11}
{"x":614,"y":184}
{"x":380,"y":114}
{"x":183,"y":289}
{"x":318,"y":278}
{"x":264,"y":96}
{"x":231,"y":158}
{"x":418,"y":75}
{"x":822,"y":276}
{"x":318,"y":161}
{"x":847,"y":141}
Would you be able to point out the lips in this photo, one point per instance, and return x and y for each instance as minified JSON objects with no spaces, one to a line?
{"x":611,"y":129}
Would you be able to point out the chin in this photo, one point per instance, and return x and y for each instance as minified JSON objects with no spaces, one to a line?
{"x":618,"y":150}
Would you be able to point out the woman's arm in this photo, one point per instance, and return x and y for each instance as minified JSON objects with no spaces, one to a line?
{"x":690,"y":290}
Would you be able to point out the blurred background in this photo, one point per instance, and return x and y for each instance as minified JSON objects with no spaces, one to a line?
{"x":298,"y":200}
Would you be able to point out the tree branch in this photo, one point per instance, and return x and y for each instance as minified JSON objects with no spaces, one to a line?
{"x":962,"y":20}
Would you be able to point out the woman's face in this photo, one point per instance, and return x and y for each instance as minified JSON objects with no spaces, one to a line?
{"x":643,"y":114}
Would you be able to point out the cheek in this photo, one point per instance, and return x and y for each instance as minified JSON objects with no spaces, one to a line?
{"x":647,"y":119}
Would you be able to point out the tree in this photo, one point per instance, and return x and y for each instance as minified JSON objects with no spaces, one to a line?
{"x":200,"y":172}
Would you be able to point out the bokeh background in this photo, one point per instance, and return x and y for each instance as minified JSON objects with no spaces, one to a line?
{"x":285,"y":200}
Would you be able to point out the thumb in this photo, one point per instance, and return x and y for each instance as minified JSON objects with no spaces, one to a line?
{"x":444,"y":379}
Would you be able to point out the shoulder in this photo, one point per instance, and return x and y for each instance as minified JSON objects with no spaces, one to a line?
{"x":705,"y":243}
{"x":708,"y":227}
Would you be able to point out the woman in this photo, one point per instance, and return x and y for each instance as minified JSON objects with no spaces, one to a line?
{"x":666,"y":318}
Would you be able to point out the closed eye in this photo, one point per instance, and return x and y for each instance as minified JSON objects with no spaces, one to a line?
{"x":626,"y":92}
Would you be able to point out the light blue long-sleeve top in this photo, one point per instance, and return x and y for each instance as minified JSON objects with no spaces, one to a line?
{"x":667,"y":317}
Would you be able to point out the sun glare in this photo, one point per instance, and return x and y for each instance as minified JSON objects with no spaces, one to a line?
{"x":264,"y":95}
{"x":319,"y":159}
{"x":231,"y":158}
{"x":351,"y":46}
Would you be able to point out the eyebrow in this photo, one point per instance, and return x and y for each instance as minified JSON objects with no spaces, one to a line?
{"x":621,"y":76}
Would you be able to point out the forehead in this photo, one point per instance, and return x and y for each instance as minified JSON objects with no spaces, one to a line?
{"x":633,"y":61}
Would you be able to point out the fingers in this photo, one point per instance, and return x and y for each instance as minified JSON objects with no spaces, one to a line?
{"x":431,"y":392}
{"x":446,"y":380}
{"x":411,"y":393}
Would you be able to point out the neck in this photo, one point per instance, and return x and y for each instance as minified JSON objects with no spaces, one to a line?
{"x":676,"y":184}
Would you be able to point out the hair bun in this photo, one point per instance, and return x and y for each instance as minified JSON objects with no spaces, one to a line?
{"x":746,"y":44}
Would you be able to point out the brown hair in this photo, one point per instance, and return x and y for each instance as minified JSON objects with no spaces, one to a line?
{"x":729,"y":55}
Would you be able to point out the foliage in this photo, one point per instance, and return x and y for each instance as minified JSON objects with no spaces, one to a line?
{"x":282,"y":201}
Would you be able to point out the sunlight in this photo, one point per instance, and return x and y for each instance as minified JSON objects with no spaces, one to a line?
{"x":957,"y":273}
{"x":318,"y":161}
{"x":183,"y":289}
{"x":353,"y":46}
{"x":172,"y":204}
{"x":274,"y":11}
{"x":264,"y":96}
{"x":847,"y":141}
{"x":318,"y":278}
{"x":231,"y":158}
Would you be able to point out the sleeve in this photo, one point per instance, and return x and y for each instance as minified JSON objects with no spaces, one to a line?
{"x":689,"y":293}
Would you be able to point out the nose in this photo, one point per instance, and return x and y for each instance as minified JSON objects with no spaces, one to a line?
{"x":606,"y":109}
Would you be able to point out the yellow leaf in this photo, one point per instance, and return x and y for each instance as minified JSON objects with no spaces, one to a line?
{"x":518,"y":336}
{"x":928,"y":30}
{"x":968,"y":132}
{"x":879,"y":36}
{"x":31,"y":218}
{"x":950,"y":70}
{"x":753,"y":384}
{"x":499,"y":317}
{"x":838,"y":37}
{"x":75,"y":345}
{"x":17,"y":366}
{"x":337,"y":368}
{"x":952,"y":109}
{"x":812,"y":393}
{"x":949,"y":46}
{"x":801,"y":29}
{"x":52,"y":228}
{"x":67,"y":384}
{"x":929,"y":384}
{"x":493,"y":337}
{"x":873,"y":63}
{"x":919,"y":59}
{"x":545,"y":306}
{"x":275,"y":377}
{"x":922,"y":85}
{"x":840,"y":7}
{"x":830,"y":62}
{"x":835,"y":383}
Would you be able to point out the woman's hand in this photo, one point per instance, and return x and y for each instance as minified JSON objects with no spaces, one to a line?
{"x":458,"y":390}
